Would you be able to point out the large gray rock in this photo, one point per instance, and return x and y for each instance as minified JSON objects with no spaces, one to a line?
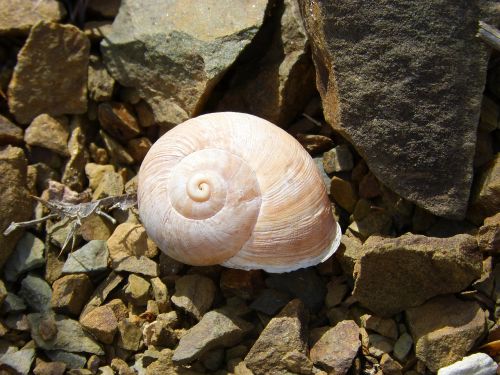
{"x":277,"y":86}
{"x":393,"y":274}
{"x":403,"y":81}
{"x":174,"y":52}
{"x":53,"y":60}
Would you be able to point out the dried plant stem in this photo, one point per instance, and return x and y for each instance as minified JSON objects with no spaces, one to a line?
{"x":489,"y":34}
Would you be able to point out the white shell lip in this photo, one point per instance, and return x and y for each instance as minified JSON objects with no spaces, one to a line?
{"x":325,"y":255}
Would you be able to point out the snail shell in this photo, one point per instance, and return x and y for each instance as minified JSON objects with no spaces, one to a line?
{"x":233,"y":189}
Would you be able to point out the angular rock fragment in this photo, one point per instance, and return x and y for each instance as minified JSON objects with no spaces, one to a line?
{"x":285,"y":333}
{"x":70,"y":293}
{"x":18,"y":16}
{"x":488,"y":236}
{"x":18,"y":362}
{"x":90,"y":258}
{"x":411,"y":111}
{"x":194,"y":294}
{"x":27,"y":256}
{"x":445,"y":329}
{"x":485,"y":198}
{"x":175,"y":52}
{"x":396,"y":273}
{"x":10,"y":133}
{"x":36,"y":293}
{"x":101,"y":323}
{"x":48,"y":132}
{"x":53,"y":60}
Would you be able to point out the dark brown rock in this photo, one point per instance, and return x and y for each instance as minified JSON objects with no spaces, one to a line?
{"x":337,"y":347}
{"x":70,"y":293}
{"x":267,"y":354}
{"x":53,"y":60}
{"x":411,"y":111}
{"x":244,"y":284}
{"x":315,"y":143}
{"x":445,"y":329}
{"x":118,"y":120}
{"x":394,"y":274}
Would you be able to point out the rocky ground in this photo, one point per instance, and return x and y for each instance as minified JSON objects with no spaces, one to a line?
{"x":398,"y":104}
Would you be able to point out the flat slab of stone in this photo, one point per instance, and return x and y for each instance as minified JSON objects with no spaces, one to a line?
{"x":393,"y":274}
{"x":174,"y":52}
{"x":404,"y":82}
{"x":53,"y":60}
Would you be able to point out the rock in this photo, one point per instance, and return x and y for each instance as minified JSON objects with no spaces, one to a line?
{"x":100,"y":83}
{"x":48,"y":132}
{"x":244,"y":284}
{"x":141,"y":265}
{"x":338,"y":159}
{"x":15,"y":206}
{"x":267,"y":353}
{"x":348,"y":253}
{"x":304,"y":284}
{"x":270,"y":301}
{"x":138,"y":148}
{"x":174,"y":57}
{"x":96,"y":228}
{"x":278,"y":84}
{"x":431,"y":266}
{"x":18,"y":16}
{"x":194,"y":294}
{"x":376,"y":90}
{"x":336,"y":291}
{"x":74,"y":170}
{"x":27,"y":256}
{"x":70,"y":293}
{"x":117,"y":152}
{"x":344,"y":193}
{"x":70,"y":336}
{"x":214,"y":330}
{"x":17,"y":322}
{"x":10,"y":303}
{"x":118,"y":120}
{"x":488,"y":121}
{"x":488,"y":236}
{"x":54,"y":59}
{"x":485,"y":197}
{"x":386,"y":327}
{"x":108,"y":9}
{"x":377,"y":345}
{"x":445,"y":329}
{"x":121,"y":367}
{"x":119,"y":309}
{"x":298,"y":362}
{"x":314,"y":143}
{"x":477,"y":364}
{"x":71,"y":360}
{"x":130,"y":239}
{"x":326,"y":179}
{"x":137,"y":290}
{"x":10,"y":133}
{"x":161,"y":331}
{"x":53,"y":265}
{"x":101,"y":323}
{"x":36,"y":293}
{"x":3,"y":292}
{"x":337,"y":347}
{"x":160,"y":292}
{"x":111,"y":185}
{"x":49,"y":368}
{"x":95,"y":173}
{"x":129,"y":335}
{"x":376,"y":222}
{"x":102,"y":292}
{"x":90,"y":258}
{"x":165,"y":366}
{"x":389,"y":366}
{"x":369,"y":187}
{"x":19,"y":362}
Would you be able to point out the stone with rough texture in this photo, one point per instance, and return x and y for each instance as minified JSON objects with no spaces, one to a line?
{"x":394,"y":274}
{"x":403,"y":82}
{"x":194,"y":294}
{"x":277,"y":86}
{"x":338,"y":159}
{"x":95,"y":173}
{"x":485,"y":197}
{"x":403,"y":346}
{"x":101,"y":323}
{"x":74,"y":170}
{"x":27,"y":256}
{"x":36,"y":293}
{"x":101,"y":85}
{"x":165,"y":366}
{"x":137,"y":290}
{"x":215,"y":330}
{"x":488,"y":236}
{"x":48,"y":132}
{"x":18,"y":16}
{"x":10,"y":133}
{"x":49,"y":368}
{"x":445,"y":329}
{"x":53,"y":60}
{"x":20,"y":362}
{"x":129,"y":334}
{"x":337,"y":347}
{"x":118,"y":120}
{"x":90,"y":258}
{"x":174,"y":52}
{"x":344,"y":193}
{"x":130,"y":239}
{"x":15,"y":204}
{"x":70,"y":293}
{"x":285,"y":333}
{"x":386,"y":327}
{"x":102,"y":292}
{"x":477,"y":364}
{"x":141,"y":265}
{"x":69,"y":336}
{"x":71,"y":360}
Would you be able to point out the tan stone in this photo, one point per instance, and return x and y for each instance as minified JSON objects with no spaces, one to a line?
{"x":130,"y":239}
{"x":102,"y":323}
{"x":18,"y":16}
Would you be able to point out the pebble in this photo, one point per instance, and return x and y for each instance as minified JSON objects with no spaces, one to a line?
{"x":488,"y":235}
{"x":375,"y":222}
{"x":214,"y":330}
{"x":74,"y":171}
{"x":161,"y":331}
{"x":116,"y":152}
{"x":304,"y":284}
{"x":129,"y":335}
{"x":343,"y":193}
{"x":336,"y":291}
{"x":337,"y":347}
{"x":244,"y":284}
{"x":101,"y":292}
{"x":326,"y":179}
{"x":101,"y":323}
{"x":385,"y":327}
{"x":119,"y":308}
{"x":378,"y":345}
{"x":50,"y":133}
{"x":389,"y":366}
{"x":17,"y":16}
{"x":20,"y":362}
{"x":111,"y":185}
{"x":338,"y":159}
{"x":138,"y":148}
{"x":137,"y":290}
{"x":71,"y":360}
{"x":49,"y":368}
{"x":100,"y":83}
{"x":70,"y":293}
{"x":10,"y":133}
{"x":11,"y":303}
{"x":290,"y":326}
{"x":118,"y":120}
{"x":160,"y":293}
{"x":485,"y":202}
{"x":28,"y":255}
{"x":91,"y":258}
{"x":36,"y":292}
{"x":95,"y":172}
{"x":476,"y":364}
{"x":314,"y":143}
{"x":270,"y":301}
{"x":130,"y":239}
{"x":141,"y":265}
{"x":194,"y":294}
{"x":445,"y":329}
{"x":69,"y":337}
{"x":96,"y":227}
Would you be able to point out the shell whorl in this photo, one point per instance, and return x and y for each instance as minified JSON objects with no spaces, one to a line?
{"x":231,"y":188}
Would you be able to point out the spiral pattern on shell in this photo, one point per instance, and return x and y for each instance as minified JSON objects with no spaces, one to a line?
{"x":233,"y":189}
